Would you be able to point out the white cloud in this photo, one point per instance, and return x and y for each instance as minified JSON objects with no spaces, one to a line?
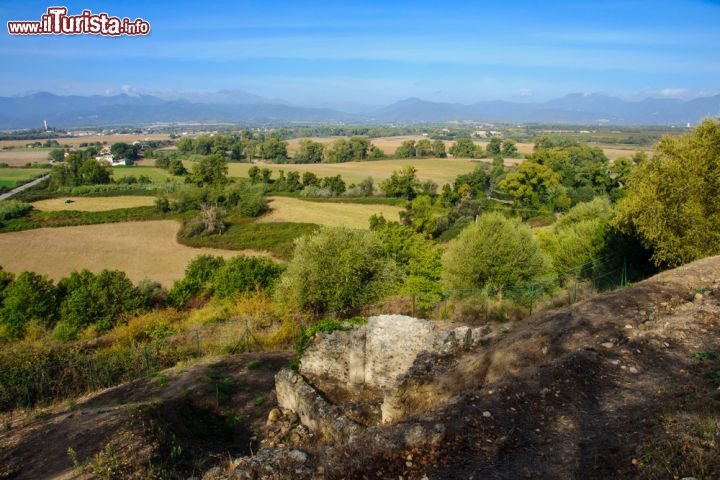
{"x":673,"y":92}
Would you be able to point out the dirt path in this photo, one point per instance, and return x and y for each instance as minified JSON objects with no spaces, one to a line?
{"x":23,"y":187}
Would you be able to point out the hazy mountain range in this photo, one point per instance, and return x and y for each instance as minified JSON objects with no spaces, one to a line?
{"x":233,"y":106}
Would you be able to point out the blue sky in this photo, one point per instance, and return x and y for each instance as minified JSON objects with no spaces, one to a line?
{"x":376,"y":52}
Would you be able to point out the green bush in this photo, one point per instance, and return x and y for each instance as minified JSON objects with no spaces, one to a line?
{"x":30,"y":298}
{"x":13,"y":209}
{"x":99,"y":300}
{"x":248,"y":200}
{"x":494,"y":252}
{"x":337,"y":270}
{"x":242,"y":274}
{"x":198,"y":274}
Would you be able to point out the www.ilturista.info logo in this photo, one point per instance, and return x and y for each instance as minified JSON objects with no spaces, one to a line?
{"x":57,"y":22}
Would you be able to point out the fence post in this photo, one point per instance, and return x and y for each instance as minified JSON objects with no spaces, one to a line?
{"x":146,"y":359}
{"x":413,"y":305}
{"x":197,"y":344}
{"x":623,"y":278}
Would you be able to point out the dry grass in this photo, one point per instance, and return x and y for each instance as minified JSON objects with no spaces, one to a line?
{"x":141,"y":249}
{"x":21,"y":158}
{"x":353,"y":215}
{"x":93,"y":204}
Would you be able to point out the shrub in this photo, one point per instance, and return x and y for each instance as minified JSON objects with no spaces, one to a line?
{"x":153,"y":294}
{"x":30,"y":298}
{"x":242,"y":274}
{"x":98,"y":300}
{"x":337,"y":270}
{"x":494,"y":252}
{"x":247,"y":199}
{"x":13,"y":209}
{"x":198,"y":274}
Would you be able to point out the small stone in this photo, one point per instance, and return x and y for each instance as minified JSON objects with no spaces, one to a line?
{"x":666,"y":344}
{"x":607,"y":345}
{"x":698,"y":296}
{"x":628,"y":327}
{"x":408,"y":464}
{"x":633,"y":370}
{"x":274,"y":415}
{"x":615,"y":362}
{"x":487,"y":414}
{"x":298,"y":456}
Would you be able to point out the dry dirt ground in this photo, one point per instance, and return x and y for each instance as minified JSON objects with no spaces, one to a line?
{"x":203,"y":412}
{"x":623,"y":385}
{"x":93,"y":204}
{"x":141,"y":249}
{"x":352,"y":215}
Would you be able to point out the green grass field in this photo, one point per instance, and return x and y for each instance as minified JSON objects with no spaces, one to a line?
{"x":156,"y":175}
{"x":9,"y":177}
{"x":441,"y":170}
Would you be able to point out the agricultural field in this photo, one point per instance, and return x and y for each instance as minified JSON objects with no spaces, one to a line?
{"x":9,"y":177}
{"x":333,"y":214}
{"x":76,"y":141}
{"x":21,"y":157}
{"x":93,"y":204}
{"x":141,"y":249}
{"x":441,"y":170}
{"x":390,"y":144}
{"x":156,"y":175}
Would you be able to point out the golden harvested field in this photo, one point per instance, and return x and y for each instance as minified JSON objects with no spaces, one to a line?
{"x":141,"y":249}
{"x":75,"y":141}
{"x":441,"y":170}
{"x":352,"y":215}
{"x":20,"y":158}
{"x":94,"y":204}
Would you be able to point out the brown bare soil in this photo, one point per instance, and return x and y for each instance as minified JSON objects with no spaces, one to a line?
{"x":140,"y":249}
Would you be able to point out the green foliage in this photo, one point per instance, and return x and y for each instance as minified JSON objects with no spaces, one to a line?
{"x":494,"y":252}
{"x":242,"y":274}
{"x":326,"y":325}
{"x":198,"y":274}
{"x":535,"y":186}
{"x":13,"y":209}
{"x":494,"y":146}
{"x":274,"y":149}
{"x":406,"y":149}
{"x":80,"y":168}
{"x":403,"y":183}
{"x":122,"y":150}
{"x":673,"y":199}
{"x":99,"y":300}
{"x":464,"y":147}
{"x":210,"y":171}
{"x":419,"y":216}
{"x":348,"y":150}
{"x":418,"y":258}
{"x":31,"y":298}
{"x":309,"y":152}
{"x":509,"y":149}
{"x":246,"y":199}
{"x":337,"y":270}
{"x":583,"y":170}
{"x":275,"y":237}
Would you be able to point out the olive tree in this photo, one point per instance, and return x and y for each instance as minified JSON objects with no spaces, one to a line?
{"x":337,"y":270}
{"x":494,"y":252}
